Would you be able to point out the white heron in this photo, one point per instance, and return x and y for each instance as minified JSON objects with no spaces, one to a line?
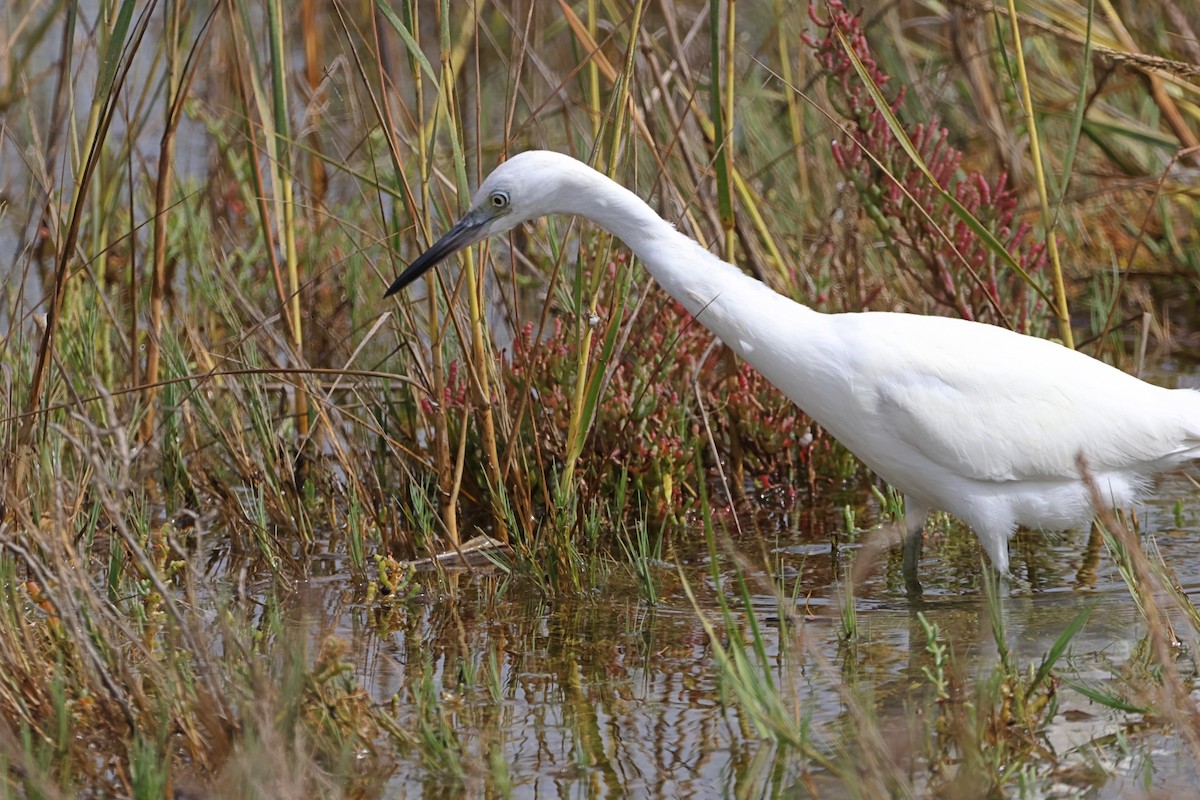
{"x":962,"y":417}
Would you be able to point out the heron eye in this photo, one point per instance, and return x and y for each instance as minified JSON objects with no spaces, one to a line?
{"x":499,"y":200}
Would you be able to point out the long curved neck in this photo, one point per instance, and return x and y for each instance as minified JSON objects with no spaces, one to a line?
{"x":739,"y":309}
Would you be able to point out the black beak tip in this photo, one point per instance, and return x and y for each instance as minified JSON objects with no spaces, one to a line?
{"x":396,"y":286}
{"x":424,"y":263}
{"x":466,"y":232}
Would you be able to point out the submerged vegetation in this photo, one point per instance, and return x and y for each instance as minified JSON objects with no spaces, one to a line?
{"x":238,"y":486}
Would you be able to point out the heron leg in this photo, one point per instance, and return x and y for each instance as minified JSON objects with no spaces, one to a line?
{"x":912,"y":557}
{"x":914,"y":530}
{"x":1085,"y":577}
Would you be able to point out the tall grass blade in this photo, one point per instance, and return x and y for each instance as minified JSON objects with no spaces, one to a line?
{"x":721,"y":105}
{"x":1077,"y":115}
{"x":1057,"y":649}
{"x":1039,"y":176}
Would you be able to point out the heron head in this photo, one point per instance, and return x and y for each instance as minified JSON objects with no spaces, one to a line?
{"x":520,"y":189}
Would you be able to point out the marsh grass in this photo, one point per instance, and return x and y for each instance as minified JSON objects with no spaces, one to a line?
{"x":973,"y":735}
{"x":207,"y":402}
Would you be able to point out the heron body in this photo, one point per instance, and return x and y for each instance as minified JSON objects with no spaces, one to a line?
{"x":963,"y":417}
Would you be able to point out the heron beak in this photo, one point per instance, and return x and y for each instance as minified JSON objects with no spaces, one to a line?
{"x":469,"y":230}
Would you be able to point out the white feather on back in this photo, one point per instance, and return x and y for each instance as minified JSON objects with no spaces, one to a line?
{"x":992,"y":405}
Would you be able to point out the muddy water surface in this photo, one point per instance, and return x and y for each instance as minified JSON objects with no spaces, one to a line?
{"x":510,"y":689}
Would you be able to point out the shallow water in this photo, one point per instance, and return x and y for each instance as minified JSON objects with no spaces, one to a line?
{"x":605,"y":694}
{"x":602,"y":694}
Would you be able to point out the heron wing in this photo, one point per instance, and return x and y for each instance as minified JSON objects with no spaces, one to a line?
{"x":991,"y":405}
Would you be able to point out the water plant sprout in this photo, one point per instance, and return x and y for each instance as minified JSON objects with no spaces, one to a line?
{"x":990,"y":425}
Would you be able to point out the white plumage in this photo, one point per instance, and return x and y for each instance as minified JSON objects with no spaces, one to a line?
{"x":962,"y":417}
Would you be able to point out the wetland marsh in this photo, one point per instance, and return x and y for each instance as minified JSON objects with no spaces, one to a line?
{"x":230,"y":466}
